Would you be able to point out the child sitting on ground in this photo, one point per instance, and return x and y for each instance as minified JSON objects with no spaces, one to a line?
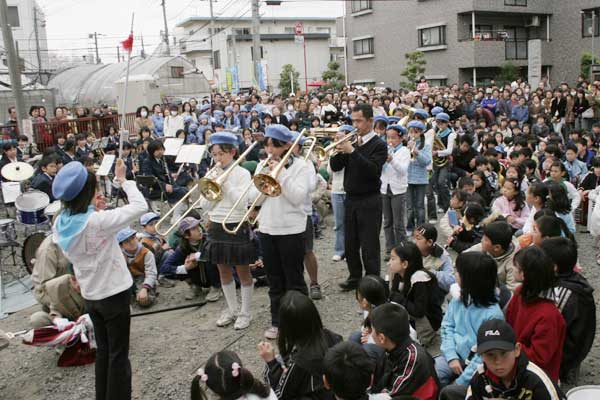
{"x":227,"y":378}
{"x":457,"y":203}
{"x":142,"y":266}
{"x":391,"y":332}
{"x":470,"y":231}
{"x":154,"y":242}
{"x":435,"y":258}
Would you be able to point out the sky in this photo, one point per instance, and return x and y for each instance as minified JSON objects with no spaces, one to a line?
{"x":69,"y":22}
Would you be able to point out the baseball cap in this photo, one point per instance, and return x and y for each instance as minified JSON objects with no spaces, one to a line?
{"x":187,"y":224}
{"x":148,"y":217}
{"x":495,"y":334}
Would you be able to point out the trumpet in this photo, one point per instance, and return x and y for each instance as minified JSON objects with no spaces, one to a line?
{"x":242,"y":197}
{"x":267,"y":183}
{"x":323,"y":153}
{"x":210,"y":188}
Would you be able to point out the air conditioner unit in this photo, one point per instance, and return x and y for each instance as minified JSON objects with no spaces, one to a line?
{"x":533,"y":21}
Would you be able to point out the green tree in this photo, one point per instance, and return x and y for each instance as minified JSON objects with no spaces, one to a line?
{"x":586,"y":62}
{"x":415,"y":67}
{"x":333,"y":78}
{"x":509,"y":72}
{"x":285,"y":83}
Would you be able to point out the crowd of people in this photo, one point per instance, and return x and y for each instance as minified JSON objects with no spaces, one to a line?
{"x":495,"y":175}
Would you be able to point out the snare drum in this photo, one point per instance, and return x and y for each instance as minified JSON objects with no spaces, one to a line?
{"x":8,"y":233}
{"x":588,"y":392}
{"x":30,"y":207}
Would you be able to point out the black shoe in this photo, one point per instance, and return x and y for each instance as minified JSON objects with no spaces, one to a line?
{"x":348,"y":285}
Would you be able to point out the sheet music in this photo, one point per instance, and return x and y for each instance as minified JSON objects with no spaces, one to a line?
{"x":191,"y":154}
{"x":172,"y":146}
{"x":96,"y":145}
{"x":104,"y":142}
{"x":107,"y":163}
{"x":10,"y":191}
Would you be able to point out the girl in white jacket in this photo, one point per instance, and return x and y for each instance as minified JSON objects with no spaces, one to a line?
{"x":87,"y":235}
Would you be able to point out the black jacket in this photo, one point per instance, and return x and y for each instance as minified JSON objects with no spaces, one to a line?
{"x":461,"y":160}
{"x":43,"y":183}
{"x":153,"y":167}
{"x":302,"y":377}
{"x":281,"y":119}
{"x":558,"y":106}
{"x":530,"y":383}
{"x":362,"y":168}
{"x":424,"y":299}
{"x":575,"y":300}
{"x":407,"y":370}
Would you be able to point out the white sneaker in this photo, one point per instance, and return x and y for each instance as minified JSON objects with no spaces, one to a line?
{"x":214,"y":294}
{"x":226,"y":318}
{"x":242,"y":321}
{"x":336,"y":258}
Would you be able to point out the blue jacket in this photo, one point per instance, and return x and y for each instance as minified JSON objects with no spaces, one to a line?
{"x":159,"y":124}
{"x":519,"y":113}
{"x":417,"y":169}
{"x":459,"y":334}
{"x":576,"y":169}
{"x":486,"y":103}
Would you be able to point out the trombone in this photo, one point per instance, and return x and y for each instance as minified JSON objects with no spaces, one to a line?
{"x":209,"y":187}
{"x":309,"y":148}
{"x":267,"y":183}
{"x":323,"y":153}
{"x":242,"y":197}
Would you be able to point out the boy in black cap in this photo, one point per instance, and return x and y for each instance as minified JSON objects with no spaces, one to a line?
{"x":506,"y":372}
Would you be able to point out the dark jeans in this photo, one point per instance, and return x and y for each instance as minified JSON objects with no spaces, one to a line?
{"x":362,"y":223}
{"x":373,"y":351}
{"x":111,"y":319}
{"x":439,"y":181}
{"x":176,"y":195}
{"x":206,"y":275}
{"x":283,"y":256}
{"x":394,"y":213}
{"x":431,"y":203}
{"x":416,"y":206}
{"x":453,"y":392}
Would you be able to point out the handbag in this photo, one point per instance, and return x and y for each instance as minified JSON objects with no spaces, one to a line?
{"x":589,"y":113}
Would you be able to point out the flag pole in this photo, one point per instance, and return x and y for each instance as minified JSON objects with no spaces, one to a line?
{"x":122,"y":128}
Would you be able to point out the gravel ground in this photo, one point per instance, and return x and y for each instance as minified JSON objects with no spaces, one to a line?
{"x":167,"y":348}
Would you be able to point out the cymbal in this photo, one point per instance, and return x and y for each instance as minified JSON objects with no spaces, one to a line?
{"x":17,"y":172}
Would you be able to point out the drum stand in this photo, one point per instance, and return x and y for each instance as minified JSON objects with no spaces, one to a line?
{"x":12,"y":245}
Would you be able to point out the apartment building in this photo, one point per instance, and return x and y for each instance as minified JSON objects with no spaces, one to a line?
{"x":469,"y":40}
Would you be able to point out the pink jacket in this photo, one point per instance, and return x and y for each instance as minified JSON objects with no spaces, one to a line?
{"x":506,"y":208}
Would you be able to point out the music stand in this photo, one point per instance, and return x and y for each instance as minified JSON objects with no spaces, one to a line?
{"x":12,"y":245}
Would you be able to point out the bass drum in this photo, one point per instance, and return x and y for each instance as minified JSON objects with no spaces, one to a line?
{"x":30,"y":246}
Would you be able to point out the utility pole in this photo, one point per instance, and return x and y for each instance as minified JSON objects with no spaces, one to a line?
{"x":143,"y":49}
{"x":256,"y":56}
{"x":13,"y":65}
{"x":164,"y":10}
{"x":96,"y":45}
{"x":593,"y":55}
{"x":212,"y":33}
{"x":37,"y":43}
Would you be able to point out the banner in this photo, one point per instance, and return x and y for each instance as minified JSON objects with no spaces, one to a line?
{"x":263,"y":75}
{"x":229,"y":79}
{"x":236,"y":79}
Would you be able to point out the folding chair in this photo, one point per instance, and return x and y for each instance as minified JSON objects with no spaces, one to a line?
{"x":148,"y":185}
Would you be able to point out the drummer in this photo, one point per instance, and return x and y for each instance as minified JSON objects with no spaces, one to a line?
{"x":9,"y":155}
{"x":43,"y":181}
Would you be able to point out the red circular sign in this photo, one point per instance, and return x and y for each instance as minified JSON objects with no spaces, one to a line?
{"x":299,"y":28}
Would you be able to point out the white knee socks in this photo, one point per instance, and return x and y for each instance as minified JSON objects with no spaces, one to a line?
{"x":247,"y":298}
{"x":231,"y":296}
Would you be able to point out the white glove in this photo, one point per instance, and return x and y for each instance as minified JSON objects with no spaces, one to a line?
{"x":62,"y":323}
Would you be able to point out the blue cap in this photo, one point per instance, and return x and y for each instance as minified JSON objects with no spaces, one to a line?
{"x":393,"y":120}
{"x":224,"y":138}
{"x":188,"y":223}
{"x":399,"y":128}
{"x":205,"y":107}
{"x":295,"y":136}
{"x":187,"y":118}
{"x":279,"y":132}
{"x":148,"y":217}
{"x":346,"y":128}
{"x":219,"y":123}
{"x":204,"y":116}
{"x":218,"y":113}
{"x":69,"y":181}
{"x":422,"y":113}
{"x":229,"y":108}
{"x":125,"y":234}
{"x":436,"y":110}
{"x":416,"y":124}
{"x":442,"y":117}
{"x":193,"y":127}
{"x":382,"y":118}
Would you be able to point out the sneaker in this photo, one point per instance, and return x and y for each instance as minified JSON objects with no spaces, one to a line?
{"x":315,"y":292}
{"x":336,"y":258}
{"x":214,"y":294}
{"x":165,"y":282}
{"x":195,"y":292}
{"x":272,"y":333}
{"x":226,"y":318}
{"x":242,"y":322}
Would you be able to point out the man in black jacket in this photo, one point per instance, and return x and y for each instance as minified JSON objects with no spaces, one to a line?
{"x":43,"y":181}
{"x":362,"y":167}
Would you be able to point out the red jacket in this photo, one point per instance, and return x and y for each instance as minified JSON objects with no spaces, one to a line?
{"x":541,"y":330}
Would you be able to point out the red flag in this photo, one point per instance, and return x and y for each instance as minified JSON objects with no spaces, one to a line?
{"x":128,"y":43}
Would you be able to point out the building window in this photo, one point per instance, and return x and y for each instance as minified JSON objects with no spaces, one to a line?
{"x":322,"y":29}
{"x":13,"y":16}
{"x":363,"y":47}
{"x":262,"y":52}
{"x":435,"y":36}
{"x":217,"y":59}
{"x":176,"y":72}
{"x":586,"y":23}
{"x":289,"y":29}
{"x":242,"y":31}
{"x":522,"y":3}
{"x":216,"y":30}
{"x":482,"y":32}
{"x":516,"y":43}
{"x":437,"y":82}
{"x":361,"y":5}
